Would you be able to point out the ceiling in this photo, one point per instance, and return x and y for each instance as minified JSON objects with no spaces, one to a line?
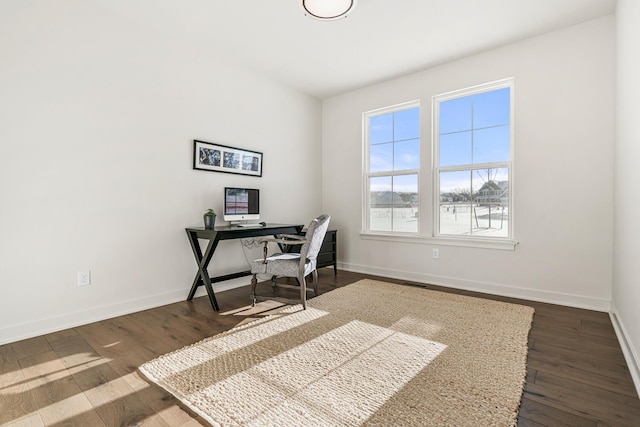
{"x":381,"y":39}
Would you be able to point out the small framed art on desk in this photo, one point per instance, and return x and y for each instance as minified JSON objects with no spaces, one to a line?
{"x":222,"y":158}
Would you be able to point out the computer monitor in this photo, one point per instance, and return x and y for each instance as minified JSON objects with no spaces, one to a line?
{"x":241,"y":204}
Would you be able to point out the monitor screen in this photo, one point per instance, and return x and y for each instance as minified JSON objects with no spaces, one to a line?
{"x":241,"y":204}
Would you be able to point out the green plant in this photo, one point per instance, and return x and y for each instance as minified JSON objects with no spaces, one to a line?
{"x":210,"y":212}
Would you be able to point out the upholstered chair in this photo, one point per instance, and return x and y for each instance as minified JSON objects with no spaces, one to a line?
{"x":288,"y":264}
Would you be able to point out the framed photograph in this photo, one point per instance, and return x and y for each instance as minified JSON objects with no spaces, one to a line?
{"x":222,"y":158}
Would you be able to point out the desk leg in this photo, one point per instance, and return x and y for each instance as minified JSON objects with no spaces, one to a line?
{"x":202,"y":276}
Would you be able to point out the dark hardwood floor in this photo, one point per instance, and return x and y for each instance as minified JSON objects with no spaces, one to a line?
{"x":86,"y":376}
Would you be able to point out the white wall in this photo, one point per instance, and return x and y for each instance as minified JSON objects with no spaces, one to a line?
{"x":626,"y":282}
{"x":98,"y":117}
{"x":563,"y":183}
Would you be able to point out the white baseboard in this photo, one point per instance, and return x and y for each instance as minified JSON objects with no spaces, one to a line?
{"x":570,"y":300}
{"x":82,"y":317}
{"x":39,"y":327}
{"x":630,"y":354}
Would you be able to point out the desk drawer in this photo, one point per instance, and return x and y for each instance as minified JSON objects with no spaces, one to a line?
{"x":328,"y":254}
{"x":328,"y":247}
{"x":325,"y":260}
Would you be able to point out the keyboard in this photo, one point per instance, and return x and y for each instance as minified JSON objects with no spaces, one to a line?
{"x":250,"y":225}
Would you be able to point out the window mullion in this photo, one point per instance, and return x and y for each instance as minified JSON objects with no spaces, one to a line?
{"x":457,"y":168}
{"x":394,"y":173}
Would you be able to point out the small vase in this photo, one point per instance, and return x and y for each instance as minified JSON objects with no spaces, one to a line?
{"x":209,"y":222}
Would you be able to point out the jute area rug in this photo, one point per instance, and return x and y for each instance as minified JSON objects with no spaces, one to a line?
{"x":370,"y":353}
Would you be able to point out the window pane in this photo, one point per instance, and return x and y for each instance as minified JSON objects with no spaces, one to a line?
{"x":491,"y":202}
{"x":405,"y":203}
{"x":380,"y":205}
{"x":406,"y":155}
{"x":455,"y":115}
{"x":406,"y":124}
{"x":491,"y":108}
{"x":474,"y":129}
{"x":491,"y":144}
{"x":455,"y":149}
{"x":455,"y":203}
{"x":393,"y":150}
{"x":381,"y":128}
{"x":381,"y":157}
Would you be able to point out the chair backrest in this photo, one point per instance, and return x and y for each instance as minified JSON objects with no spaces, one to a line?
{"x":315,"y":236}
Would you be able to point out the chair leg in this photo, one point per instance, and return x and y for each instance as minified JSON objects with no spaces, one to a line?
{"x":315,"y":282}
{"x":303,"y":292}
{"x":254,"y":282}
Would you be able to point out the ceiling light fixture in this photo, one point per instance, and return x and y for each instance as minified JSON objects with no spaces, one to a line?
{"x":327,"y":10}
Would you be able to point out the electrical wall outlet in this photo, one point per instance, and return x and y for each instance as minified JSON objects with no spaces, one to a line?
{"x":435,"y":254}
{"x":84,"y":278}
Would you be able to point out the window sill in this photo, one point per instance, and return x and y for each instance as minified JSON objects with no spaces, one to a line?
{"x":506,"y":245}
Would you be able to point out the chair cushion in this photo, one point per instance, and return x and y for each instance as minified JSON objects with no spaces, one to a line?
{"x":285,"y":265}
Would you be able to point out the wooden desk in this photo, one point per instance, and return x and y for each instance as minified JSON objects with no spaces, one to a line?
{"x":214,"y":237}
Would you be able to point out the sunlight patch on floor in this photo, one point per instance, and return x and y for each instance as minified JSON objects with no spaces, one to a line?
{"x":37,"y":374}
{"x":111,"y":345}
{"x":64,"y":409}
{"x":259,"y":309}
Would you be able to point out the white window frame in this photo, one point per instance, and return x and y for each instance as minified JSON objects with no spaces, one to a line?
{"x":436,"y":169}
{"x":366,"y":226}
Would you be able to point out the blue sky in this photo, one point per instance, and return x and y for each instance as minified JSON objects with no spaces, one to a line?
{"x":473,"y":129}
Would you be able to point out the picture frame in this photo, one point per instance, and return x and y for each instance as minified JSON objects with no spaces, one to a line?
{"x":223,"y":158}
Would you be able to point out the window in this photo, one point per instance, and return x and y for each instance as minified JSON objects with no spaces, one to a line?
{"x":473,"y":162}
{"x":464,"y":195}
{"x":392,"y":158}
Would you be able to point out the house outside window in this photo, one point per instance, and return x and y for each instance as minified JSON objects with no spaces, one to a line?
{"x":392,"y":169}
{"x":473,"y":150}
